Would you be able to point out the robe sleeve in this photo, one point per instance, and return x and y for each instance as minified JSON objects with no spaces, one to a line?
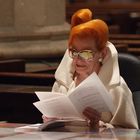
{"x":125,"y":114}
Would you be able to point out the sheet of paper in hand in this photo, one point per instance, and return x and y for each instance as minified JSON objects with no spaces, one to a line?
{"x":89,"y":93}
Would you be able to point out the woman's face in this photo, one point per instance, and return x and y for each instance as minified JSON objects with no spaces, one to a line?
{"x":81,"y":65}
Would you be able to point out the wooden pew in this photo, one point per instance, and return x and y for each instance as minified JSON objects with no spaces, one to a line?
{"x":125,"y":36}
{"x":131,"y":41}
{"x":26,"y":78}
{"x":122,"y":48}
{"x":113,"y":13}
{"x":103,"y":9}
{"x":12,"y":65}
{"x":17,"y":95}
{"x":16,"y":103}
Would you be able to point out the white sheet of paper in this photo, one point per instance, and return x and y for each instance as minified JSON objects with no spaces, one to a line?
{"x":59,"y":107}
{"x":42,"y":95}
{"x":90,"y":93}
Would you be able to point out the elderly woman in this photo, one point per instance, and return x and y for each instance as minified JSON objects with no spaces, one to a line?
{"x":90,"y":51}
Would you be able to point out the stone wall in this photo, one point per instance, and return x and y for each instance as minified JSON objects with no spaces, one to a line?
{"x":30,"y":28}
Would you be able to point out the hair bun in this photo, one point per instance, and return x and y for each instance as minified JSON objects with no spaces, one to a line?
{"x":81,"y":16}
{"x":96,"y":29}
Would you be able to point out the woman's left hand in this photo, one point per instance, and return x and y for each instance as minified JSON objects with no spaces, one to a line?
{"x":93,"y":116}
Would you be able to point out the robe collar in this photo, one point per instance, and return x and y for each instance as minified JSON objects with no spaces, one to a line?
{"x":109,"y":73}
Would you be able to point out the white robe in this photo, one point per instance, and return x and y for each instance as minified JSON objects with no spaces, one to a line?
{"x":109,"y":74}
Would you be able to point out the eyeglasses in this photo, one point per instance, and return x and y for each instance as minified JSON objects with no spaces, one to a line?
{"x":83,"y":55}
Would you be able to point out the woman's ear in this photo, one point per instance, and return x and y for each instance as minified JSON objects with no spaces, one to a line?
{"x":104,"y":52}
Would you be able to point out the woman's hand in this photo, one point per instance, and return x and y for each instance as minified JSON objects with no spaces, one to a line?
{"x":46,"y":119}
{"x":93,"y":116}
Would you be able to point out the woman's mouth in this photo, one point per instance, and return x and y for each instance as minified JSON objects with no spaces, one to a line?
{"x":80,"y":67}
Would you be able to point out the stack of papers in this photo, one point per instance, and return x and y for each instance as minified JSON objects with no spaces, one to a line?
{"x":89,"y":93}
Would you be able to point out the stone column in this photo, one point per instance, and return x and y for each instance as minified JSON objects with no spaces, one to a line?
{"x":31,"y":13}
{"x":6,"y":13}
{"x":32,"y":28}
{"x":39,"y":13}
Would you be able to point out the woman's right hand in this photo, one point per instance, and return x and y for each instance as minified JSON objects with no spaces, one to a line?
{"x":93,"y":116}
{"x":46,"y":119}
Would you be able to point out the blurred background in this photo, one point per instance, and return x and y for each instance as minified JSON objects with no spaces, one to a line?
{"x":33,"y":39}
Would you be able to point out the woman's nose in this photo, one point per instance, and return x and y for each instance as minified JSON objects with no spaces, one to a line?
{"x":77,"y":59}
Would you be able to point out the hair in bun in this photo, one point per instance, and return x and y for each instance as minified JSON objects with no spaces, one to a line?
{"x":81,"y":16}
{"x":95,"y":29}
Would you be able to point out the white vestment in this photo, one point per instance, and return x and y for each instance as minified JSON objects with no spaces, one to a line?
{"x":109,"y":74}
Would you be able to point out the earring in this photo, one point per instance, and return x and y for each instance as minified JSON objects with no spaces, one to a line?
{"x":101,"y":61}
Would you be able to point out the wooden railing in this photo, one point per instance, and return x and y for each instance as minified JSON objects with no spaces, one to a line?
{"x":103,"y":9}
{"x":125,"y":15}
{"x":17,"y":94}
{"x":130,"y":41}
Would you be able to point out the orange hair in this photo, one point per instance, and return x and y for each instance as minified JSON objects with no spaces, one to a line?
{"x":95,"y":29}
{"x":81,"y":16}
